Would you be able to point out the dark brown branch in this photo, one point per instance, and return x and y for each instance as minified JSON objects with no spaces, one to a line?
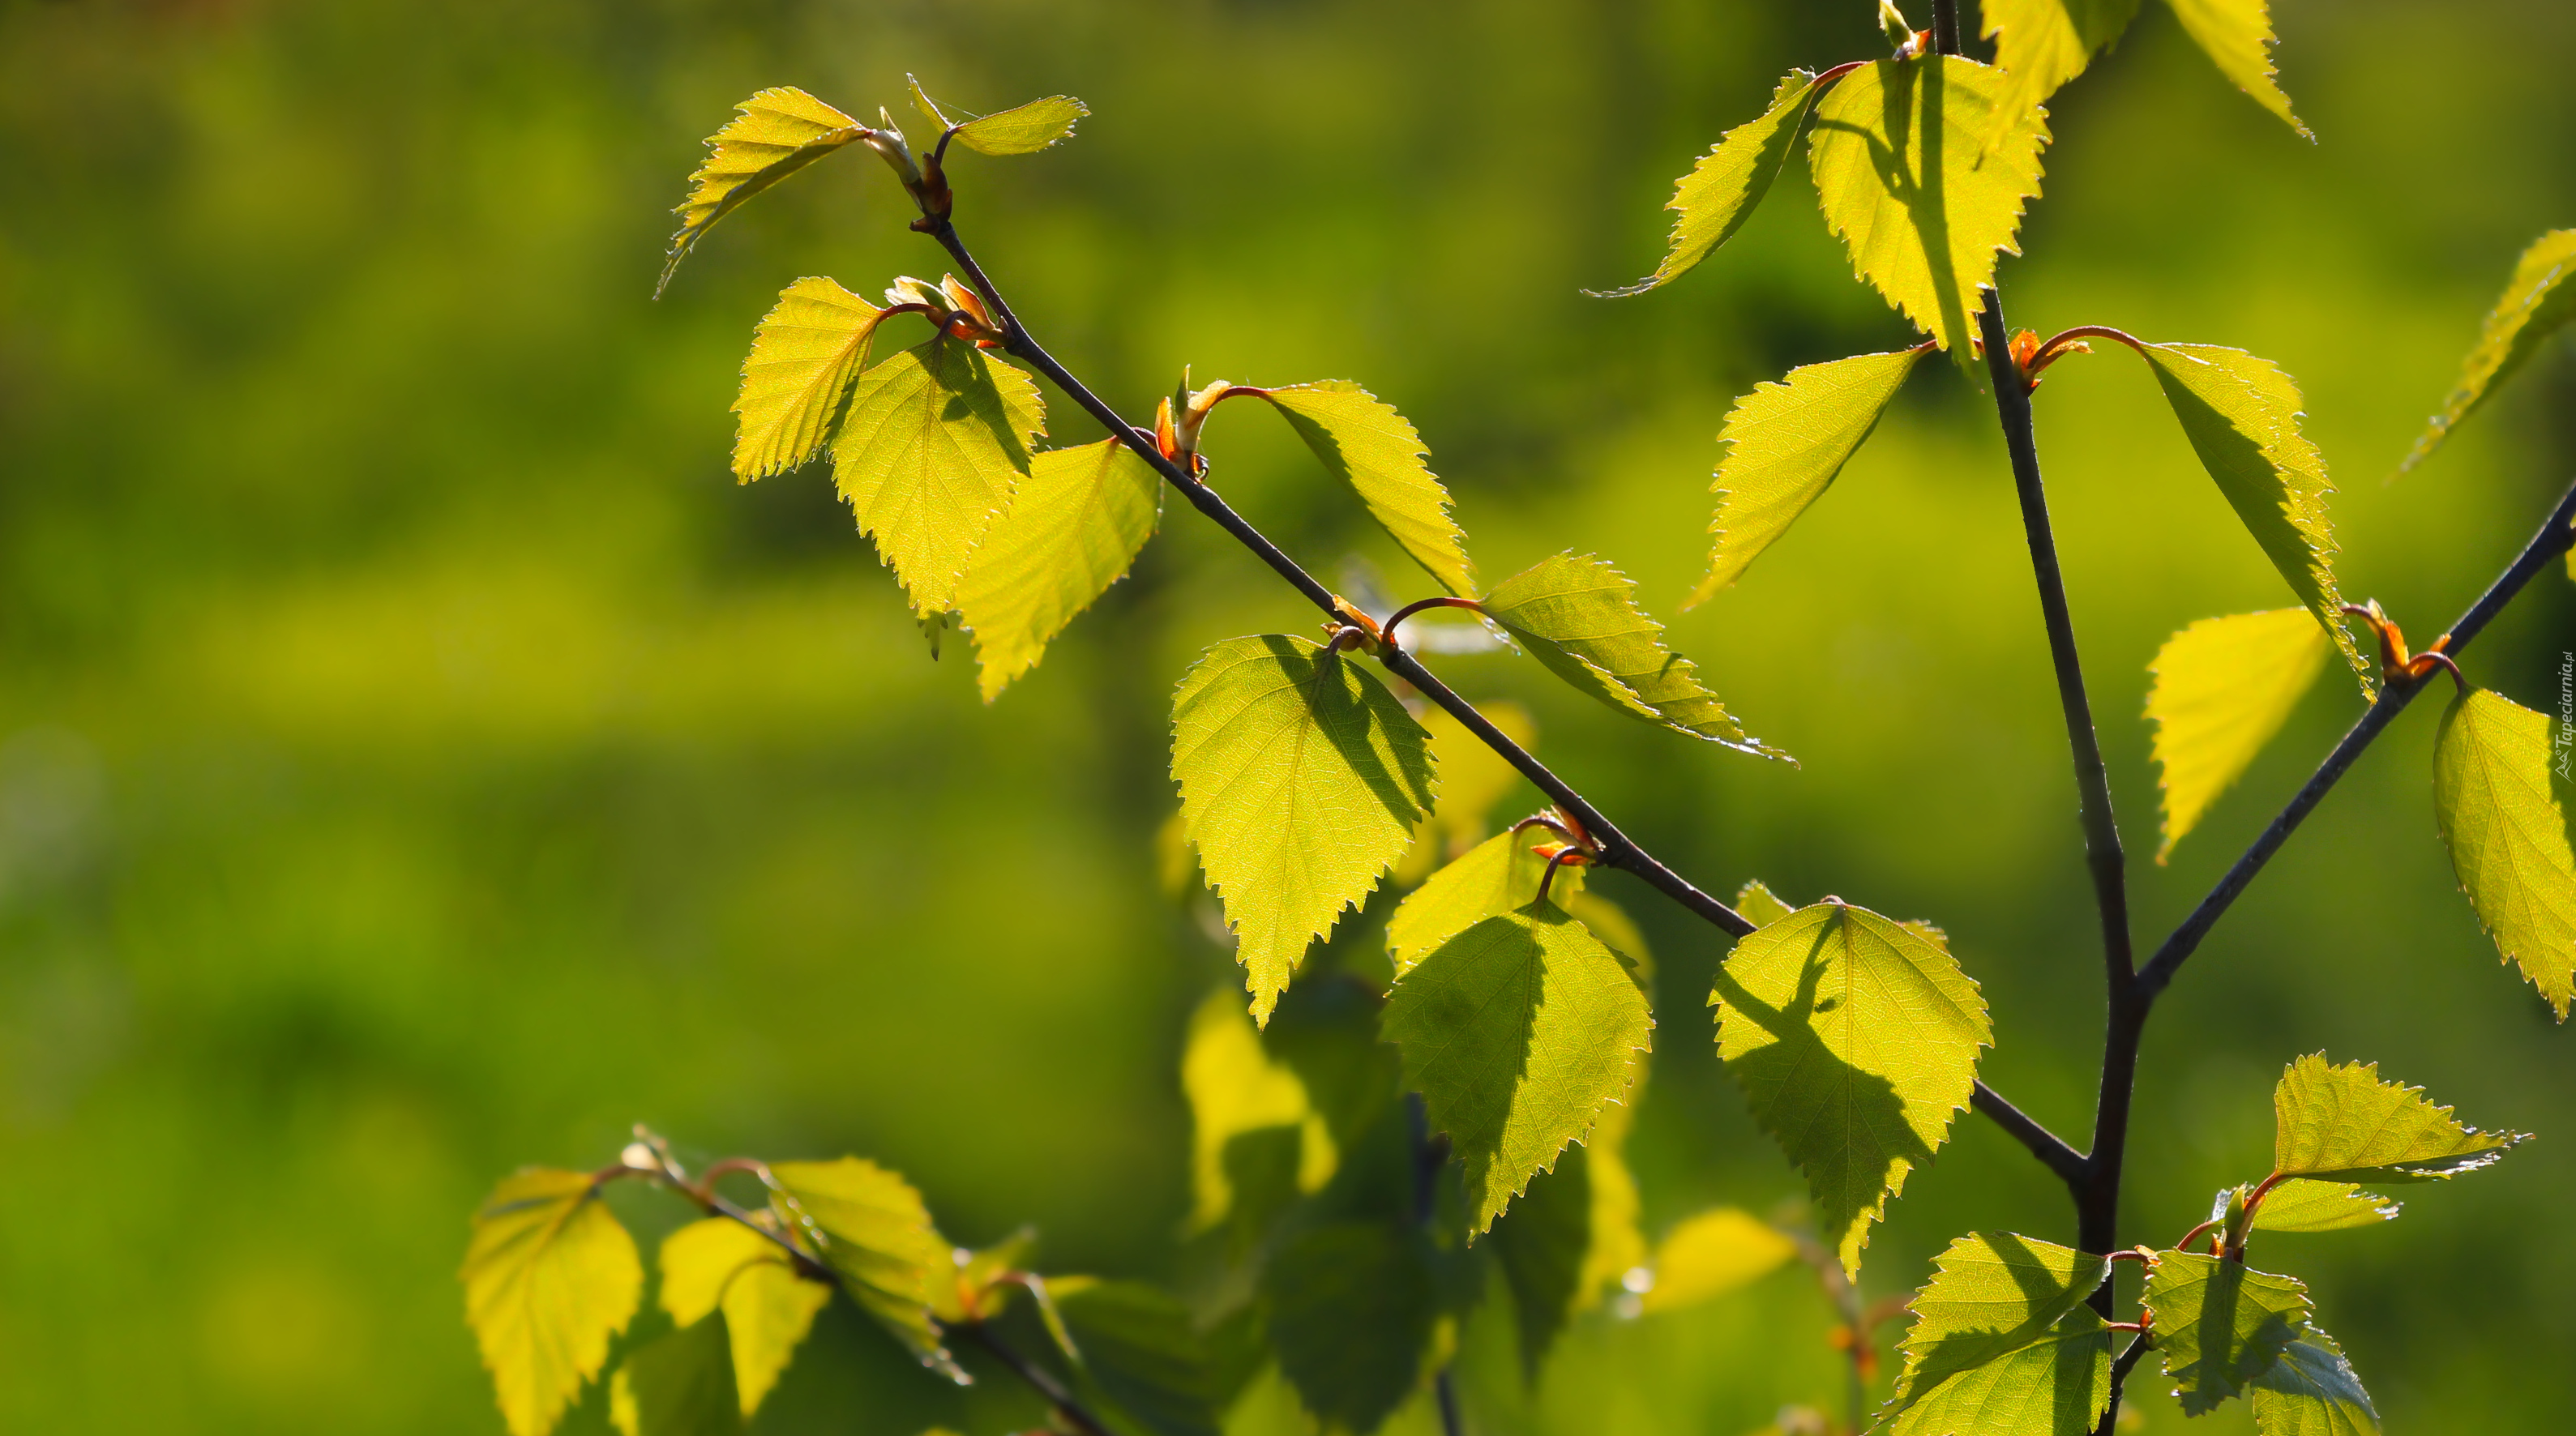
{"x":2069,"y":1164}
{"x":1037,"y":1378}
{"x":1945,"y":27}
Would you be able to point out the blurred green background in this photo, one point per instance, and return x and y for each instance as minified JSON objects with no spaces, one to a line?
{"x":418,"y":758}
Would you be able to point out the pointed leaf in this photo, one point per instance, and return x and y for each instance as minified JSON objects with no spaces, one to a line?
{"x":2003,"y":1344}
{"x":1301,"y":778}
{"x":1573,"y":1235}
{"x":1352,"y":1306}
{"x":1714,"y":200}
{"x":2042,"y":44}
{"x":679,"y":1385}
{"x":1760,"y":905}
{"x":1785,"y":443}
{"x":768,"y":1308}
{"x":1898,"y":170}
{"x":2345,"y":1124}
{"x":1140,"y":1350}
{"x":772,"y":135}
{"x":1023,"y":129}
{"x":2219,"y":1324}
{"x":2508,"y":836}
{"x":2223,"y":687}
{"x":1610,"y":923}
{"x":1365,"y":443}
{"x":1497,"y":876}
{"x":2537,"y":303}
{"x":2237,"y":36}
{"x":1073,"y":528}
{"x":804,"y":355}
{"x":1855,"y":1039}
{"x":1517,"y":1032}
{"x":870,"y":1227}
{"x":1711,"y":1254}
{"x":2302,"y":1205}
{"x":1235,"y":1087}
{"x":933,"y":447}
{"x":2311,"y":1391}
{"x":549,"y":1277}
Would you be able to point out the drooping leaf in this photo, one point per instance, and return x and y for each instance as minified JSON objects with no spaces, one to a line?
{"x":2003,"y":1344}
{"x":1785,"y":442}
{"x":1234,"y":1087}
{"x":1498,"y":875}
{"x":1714,"y":200}
{"x":2042,"y":44}
{"x":1139,"y":1349}
{"x":1517,"y":1032}
{"x":2311,"y":1391}
{"x":1473,"y":778}
{"x":719,"y":1263}
{"x":1855,"y":1039}
{"x":2537,"y":303}
{"x":550,"y":1276}
{"x":772,"y":135}
{"x":1374,"y":449}
{"x":1711,"y":1254}
{"x":2237,"y":36}
{"x":1019,"y":130}
{"x":2219,"y":1324}
{"x":2241,"y":415}
{"x":2343,"y":1124}
{"x":2302,"y":1205}
{"x":1579,"y":616}
{"x":931,"y":451}
{"x":1540,"y":1246}
{"x":679,"y":1385}
{"x":1072,"y":529}
{"x":1759,"y":904}
{"x":803,"y":357}
{"x":1897,"y":165}
{"x":1352,"y":1305}
{"x":2507,"y":834}
{"x":2223,"y":687}
{"x":1302,"y":779}
{"x":870,"y":1227}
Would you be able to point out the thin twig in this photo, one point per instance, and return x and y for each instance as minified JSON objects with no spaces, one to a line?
{"x":1037,"y":1378}
{"x":1945,"y":27}
{"x":2069,"y":1164}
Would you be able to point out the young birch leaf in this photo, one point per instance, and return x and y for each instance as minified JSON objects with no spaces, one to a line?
{"x":803,"y":357}
{"x":1761,"y":906}
{"x":2302,"y":1205}
{"x":2312,"y":1391}
{"x":1301,"y":779}
{"x":2342,"y":1124}
{"x":933,"y":447}
{"x":679,"y":1385}
{"x":2003,"y":1344}
{"x":1711,"y":1254}
{"x":2237,"y":36}
{"x":1235,"y":1087}
{"x":1898,"y":169}
{"x":1498,"y":875}
{"x":2219,"y":1323}
{"x":1714,"y":200}
{"x":2241,"y":415}
{"x":549,"y":1277}
{"x":2223,"y":687}
{"x":1572,"y":1235}
{"x":1075,"y":525}
{"x":772,"y":135}
{"x":719,"y":1263}
{"x":2508,"y":836}
{"x":1473,"y":778}
{"x":1517,"y":1032}
{"x":1140,"y":1350}
{"x":1023,"y":129}
{"x":2536,"y":304}
{"x":1374,"y":449}
{"x":1785,"y":443}
{"x":1579,"y":616}
{"x":1352,"y":1307}
{"x":870,"y":1227}
{"x":1855,"y":1039}
{"x":2042,"y":44}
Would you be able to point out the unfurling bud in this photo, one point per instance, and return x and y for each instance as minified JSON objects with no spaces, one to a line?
{"x":887,"y":141}
{"x":1892,"y":23}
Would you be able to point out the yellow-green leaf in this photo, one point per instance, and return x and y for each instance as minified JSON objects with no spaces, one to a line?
{"x":1073,"y":528}
{"x":1498,"y":875}
{"x":2342,"y":1123}
{"x":2312,"y":1391}
{"x":1579,"y":616}
{"x":1711,"y":1254}
{"x":1897,"y":168}
{"x":772,"y":135}
{"x":1610,"y":923}
{"x":2302,"y":1205}
{"x":2219,"y":1324}
{"x":549,"y":1277}
{"x":1301,"y":779}
{"x":719,"y":1263}
{"x":804,"y":355}
{"x":933,"y":447}
{"x":870,"y":1227}
{"x":2042,"y":44}
{"x":1473,"y":778}
{"x":1023,"y":129}
{"x":2536,"y":304}
{"x":1517,"y":1032}
{"x":2003,"y":1344}
{"x":1759,"y":904}
{"x":1855,"y":1039}
{"x":2237,"y":36}
{"x":1374,"y":449}
{"x":1235,"y":1087}
{"x":2222,"y":688}
{"x":1785,"y":443}
{"x":1714,"y":200}
{"x":2508,"y":836}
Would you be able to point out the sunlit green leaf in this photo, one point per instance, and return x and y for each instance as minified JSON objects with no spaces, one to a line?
{"x":1019,"y":130}
{"x":2342,"y":1123}
{"x":1235,"y":1087}
{"x":2003,"y":1345}
{"x":1897,"y":165}
{"x":932,"y":449}
{"x":1610,"y":923}
{"x":1498,"y":875}
{"x":870,"y":1227}
{"x":1759,"y":904}
{"x":1473,"y":778}
{"x":2311,"y":1391}
{"x":2219,"y":1324}
{"x":2302,"y":1205}
{"x":2223,"y":687}
{"x":1785,"y":442}
{"x":679,"y":1385}
{"x":2042,"y":44}
{"x":2237,"y":35}
{"x":1140,"y":1350}
{"x":772,"y":135}
{"x":803,"y":357}
{"x":2537,"y":303}
{"x":1302,"y":779}
{"x":1855,"y":1038}
{"x":1374,"y":449}
{"x":1073,"y":527}
{"x":549,"y":1277}
{"x":1711,"y":1254}
{"x":768,"y":1308}
{"x":1714,"y":200}
{"x":1351,"y":1311}
{"x":2508,"y":836}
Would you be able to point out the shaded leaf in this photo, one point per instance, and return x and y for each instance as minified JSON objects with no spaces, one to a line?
{"x":1573,"y":1234}
{"x":1073,"y":527}
{"x":1759,"y":904}
{"x":768,"y":1308}
{"x":2343,"y":1124}
{"x":1140,"y":1350}
{"x":933,"y":446}
{"x":2219,"y":1324}
{"x":2311,"y":1391}
{"x":2507,"y":834}
{"x":2042,"y":44}
{"x":1301,"y":778}
{"x":1234,"y":1087}
{"x":679,"y":1385}
{"x":1714,"y":200}
{"x":870,"y":1227}
{"x":2302,"y":1205}
{"x":772,"y":135}
{"x":1711,"y":1254}
{"x":550,"y":1276}
{"x":2537,"y":303}
{"x":1785,"y":442}
{"x":2003,"y":1344}
{"x":1498,"y":875}
{"x":2237,"y":36}
{"x":2222,"y":688}
{"x":804,"y":355}
{"x":1855,"y":1040}
{"x":1351,"y":1311}
{"x":1363,"y":441}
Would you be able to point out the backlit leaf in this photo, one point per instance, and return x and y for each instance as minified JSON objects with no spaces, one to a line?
{"x":1897,"y":165}
{"x":1610,"y":923}
{"x":1235,"y":1087}
{"x":2302,"y":1205}
{"x":2219,"y":1324}
{"x":2237,"y":36}
{"x":2223,"y":687}
{"x":1374,"y":449}
{"x":1714,"y":1253}
{"x":2508,"y":836}
{"x":1023,"y":129}
{"x":1760,"y":905}
{"x":870,"y":1227}
{"x":1855,"y":1039}
{"x":1351,"y":1311}
{"x":1301,"y":778}
{"x":2342,"y":1123}
{"x":2311,"y":1391}
{"x":1498,"y":875}
{"x":1517,"y":1032}
{"x":1140,"y":1350}
{"x":2042,"y":44}
{"x":1579,"y":616}
{"x":2003,"y":1344}
{"x":1714,"y":200}
{"x":2537,"y":303}
{"x":772,"y":135}
{"x":679,"y":1385}
{"x":803,"y":357}
{"x":549,"y":1277}
{"x":932,"y":449}
{"x":1785,"y":442}
{"x":768,"y":1308}
{"x":1076,"y":523}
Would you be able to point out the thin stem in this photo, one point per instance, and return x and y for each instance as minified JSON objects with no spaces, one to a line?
{"x":2052,"y":1151}
{"x":1037,"y":1378}
{"x":1386,"y":630}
